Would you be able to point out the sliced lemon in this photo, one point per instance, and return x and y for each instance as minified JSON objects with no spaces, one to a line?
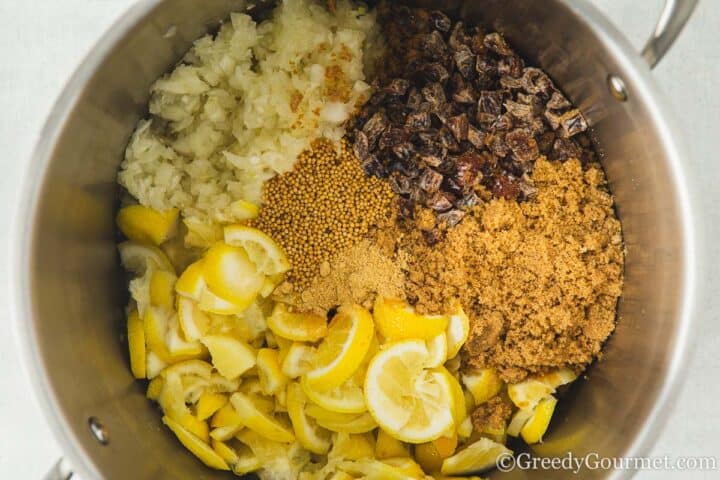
{"x":272,"y":379}
{"x":155,"y":388}
{"x":226,"y":416}
{"x":231,"y":357}
{"x":459,"y":408}
{"x":458,"y":331}
{"x":145,"y":225}
{"x":349,"y":446}
{"x":200,"y":449}
{"x":407,"y":466}
{"x":156,"y":327}
{"x":341,"y":352}
{"x":431,"y":455}
{"x":136,"y":344}
{"x":300,"y":327}
{"x":223,"y":434}
{"x":154,"y":365}
{"x":162,"y":289}
{"x":396,"y":320}
{"x":191,"y":283}
{"x":483,"y":384}
{"x":231,"y":275}
{"x":267,"y":255}
{"x":201,"y":233}
{"x":388,"y":447}
{"x":137,"y":258}
{"x":178,"y":348}
{"x":559,"y":377}
{"x":198,"y":368}
{"x":209,"y":403}
{"x":438,"y":349}
{"x":255,"y":419}
{"x":375,"y":470}
{"x":408,"y":401}
{"x":465,"y":429}
{"x":475,"y":458}
{"x":347,"y":398}
{"x":242,"y":210}
{"x":298,"y":360}
{"x":341,"y":422}
{"x":518,"y":421}
{"x":240,"y":458}
{"x":193,"y":321}
{"x":307,"y":432}
{"x":211,"y":303}
{"x":340,"y":475}
{"x":537,"y":425}
{"x":527,"y":394}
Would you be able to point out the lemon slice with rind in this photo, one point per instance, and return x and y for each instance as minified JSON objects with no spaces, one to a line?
{"x":240,"y":458}
{"x":482,"y":384}
{"x":162,"y":289}
{"x":396,"y":320}
{"x":193,"y":321}
{"x":388,"y":447}
{"x":191,"y":282}
{"x":209,"y":403}
{"x":347,"y":398}
{"x":307,"y":432}
{"x":475,"y":458}
{"x":211,"y":303}
{"x":300,"y":327}
{"x":231,"y":357}
{"x":272,"y":379}
{"x":231,"y":275}
{"x":146,"y":225}
{"x":267,"y":255}
{"x":298,"y":360}
{"x":438,"y":349}
{"x":528,"y":393}
{"x":410,"y":402}
{"x":138,"y":258}
{"x":458,"y":331}
{"x":242,"y":210}
{"x":537,"y":425}
{"x":260,"y":422}
{"x":200,"y":449}
{"x":342,"y":351}
{"x":136,"y":344}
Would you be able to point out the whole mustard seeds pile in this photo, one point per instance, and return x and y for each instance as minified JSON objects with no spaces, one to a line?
{"x":324,"y":206}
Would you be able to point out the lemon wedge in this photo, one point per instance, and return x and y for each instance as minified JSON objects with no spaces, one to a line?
{"x":396,"y":320}
{"x":458,"y":331}
{"x":298,"y":360}
{"x":145,"y":225}
{"x":201,"y":233}
{"x":348,"y":446}
{"x":376,"y":470}
{"x":537,"y":425}
{"x":178,"y":348}
{"x":272,"y":379}
{"x":242,"y":210}
{"x":459,"y":408}
{"x":407,"y":466}
{"x":307,"y":432}
{"x":191,"y":283}
{"x":155,"y":327}
{"x":260,"y":422}
{"x":528,"y":393}
{"x":389,"y":447}
{"x":475,"y":458}
{"x":438,"y":349}
{"x":267,"y":255}
{"x":431,"y":455}
{"x":154,"y":365}
{"x":209,"y":403}
{"x":200,"y":449}
{"x":483,"y":384}
{"x":231,"y":275}
{"x":162,"y":289}
{"x":240,"y":458}
{"x":341,"y":352}
{"x":347,"y":398}
{"x":137,"y":258}
{"x":226,"y":416}
{"x":194,"y":323}
{"x":136,"y":344}
{"x":231,"y":357}
{"x":408,"y":401}
{"x":341,"y":422}
{"x":154,"y":389}
{"x":465,"y":429}
{"x":300,"y":327}
{"x":211,"y":303}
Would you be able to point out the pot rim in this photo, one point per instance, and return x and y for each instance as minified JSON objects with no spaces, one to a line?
{"x":633,"y":67}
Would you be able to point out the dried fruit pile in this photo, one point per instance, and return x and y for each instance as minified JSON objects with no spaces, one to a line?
{"x":458,"y":117}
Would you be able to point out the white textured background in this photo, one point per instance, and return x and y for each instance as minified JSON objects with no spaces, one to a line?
{"x":41,"y":42}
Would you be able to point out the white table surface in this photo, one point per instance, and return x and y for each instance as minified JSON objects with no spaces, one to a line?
{"x":42,"y":41}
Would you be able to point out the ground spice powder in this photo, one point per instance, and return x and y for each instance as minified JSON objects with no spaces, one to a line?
{"x":539,"y":279}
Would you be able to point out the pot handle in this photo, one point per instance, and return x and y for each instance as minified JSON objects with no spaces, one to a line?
{"x":60,"y":471}
{"x":674,"y":16}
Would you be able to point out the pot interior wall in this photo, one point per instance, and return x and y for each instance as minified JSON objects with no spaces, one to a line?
{"x":77,"y":285}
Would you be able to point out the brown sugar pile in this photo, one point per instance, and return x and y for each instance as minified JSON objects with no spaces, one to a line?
{"x":357,"y":275}
{"x":539,"y":279}
{"x":325,"y":205}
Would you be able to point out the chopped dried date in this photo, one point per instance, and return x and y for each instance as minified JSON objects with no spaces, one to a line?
{"x":572,"y":123}
{"x":432,"y":237}
{"x":430,"y":159}
{"x":372,"y":167}
{"x":430,"y":180}
{"x":414,"y":99}
{"x":451,"y":218}
{"x":545,"y":142}
{"x":435,"y":95}
{"x":375,"y":127}
{"x":440,"y":202}
{"x":476,"y":137}
{"x":468,"y":201}
{"x":458,"y":125}
{"x":553,"y":119}
{"x":565,"y":148}
{"x":497,"y":43}
{"x":486,"y":65}
{"x":498,"y":146}
{"x":536,"y":81}
{"x":506,"y":187}
{"x":391,"y":137}
{"x":512,"y":83}
{"x":558,"y":101}
{"x":523,"y":144}
{"x":465,"y":62}
{"x":511,"y":66}
{"x":434,"y":72}
{"x":400,"y":184}
{"x":491,"y":102}
{"x":397,"y":87}
{"x":504,"y":122}
{"x":458,"y":37}
{"x":468,"y":168}
{"x":440,"y":21}
{"x":418,"y":120}
{"x":433,"y":45}
{"x":521,"y":111}
{"x":403,"y":150}
{"x":406,"y":208}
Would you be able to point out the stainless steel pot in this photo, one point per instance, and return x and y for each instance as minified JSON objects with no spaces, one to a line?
{"x":70,"y":287}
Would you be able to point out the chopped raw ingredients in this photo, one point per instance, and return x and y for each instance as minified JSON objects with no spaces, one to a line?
{"x":390,"y":308}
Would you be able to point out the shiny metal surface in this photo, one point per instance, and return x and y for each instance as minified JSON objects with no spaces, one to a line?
{"x":672,"y":20}
{"x":70,"y":287}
